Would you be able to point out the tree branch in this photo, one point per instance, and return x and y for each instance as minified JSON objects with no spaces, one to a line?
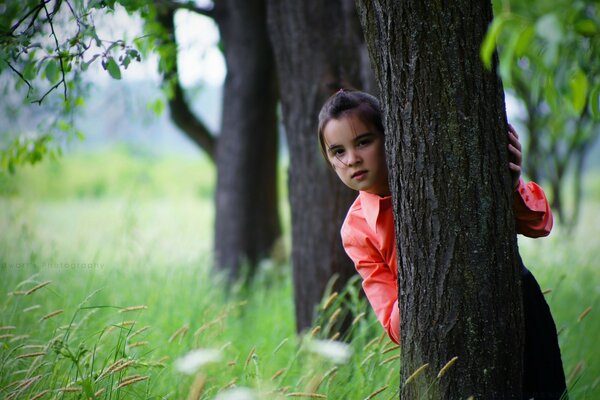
{"x":173,"y":5}
{"x":16,"y":71}
{"x":181,"y":113}
{"x":62,"y":67}
{"x":35,"y":10}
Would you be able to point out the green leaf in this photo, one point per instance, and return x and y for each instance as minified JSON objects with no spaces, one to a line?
{"x":507,"y":57}
{"x":595,"y":102}
{"x":64,"y":126}
{"x":113,"y":68}
{"x":586,"y":27}
{"x":126,"y":61}
{"x":579,"y":90}
{"x":52,"y":71}
{"x":524,"y":41}
{"x":489,"y":42}
{"x":29,"y":71}
{"x":157,"y":107}
{"x":550,"y":94}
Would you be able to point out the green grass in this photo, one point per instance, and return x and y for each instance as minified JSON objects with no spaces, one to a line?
{"x":117,"y":229}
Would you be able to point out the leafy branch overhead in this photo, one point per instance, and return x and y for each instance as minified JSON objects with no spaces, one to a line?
{"x":54,"y":40}
{"x":50,"y":44}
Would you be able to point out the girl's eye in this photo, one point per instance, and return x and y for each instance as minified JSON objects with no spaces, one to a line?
{"x":338,"y":152}
{"x":364,"y":142}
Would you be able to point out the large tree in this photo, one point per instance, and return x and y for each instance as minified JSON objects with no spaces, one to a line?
{"x":245,"y":151}
{"x":459,"y":282}
{"x":318,"y":50}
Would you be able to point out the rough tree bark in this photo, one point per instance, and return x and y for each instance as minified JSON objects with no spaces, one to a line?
{"x":459,"y":283}
{"x":247,"y":216}
{"x":317,"y":50}
{"x":247,"y":213}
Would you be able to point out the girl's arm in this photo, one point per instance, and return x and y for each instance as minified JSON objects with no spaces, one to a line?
{"x":532,"y":211}
{"x":379,"y":283}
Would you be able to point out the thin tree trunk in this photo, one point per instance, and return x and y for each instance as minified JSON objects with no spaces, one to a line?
{"x":317,"y":50}
{"x":459,"y":282}
{"x":247,"y":216}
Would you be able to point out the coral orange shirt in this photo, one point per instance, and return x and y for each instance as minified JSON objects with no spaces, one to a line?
{"x":369,"y":240}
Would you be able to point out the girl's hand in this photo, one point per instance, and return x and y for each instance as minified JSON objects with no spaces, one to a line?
{"x":514,"y":155}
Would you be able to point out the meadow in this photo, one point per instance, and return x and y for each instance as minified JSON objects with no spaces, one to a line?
{"x":106,"y":292}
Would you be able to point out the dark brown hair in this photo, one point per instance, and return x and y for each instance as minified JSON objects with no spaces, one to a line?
{"x":344,"y":102}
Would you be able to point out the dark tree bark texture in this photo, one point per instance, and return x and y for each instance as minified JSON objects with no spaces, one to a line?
{"x":245,"y":151}
{"x":247,"y":216}
{"x":317,"y":50}
{"x":446,"y":140}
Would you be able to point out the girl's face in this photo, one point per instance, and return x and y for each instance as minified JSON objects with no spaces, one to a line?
{"x":357,"y":154}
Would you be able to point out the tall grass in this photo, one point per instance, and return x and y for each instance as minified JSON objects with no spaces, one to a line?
{"x":105,"y":285}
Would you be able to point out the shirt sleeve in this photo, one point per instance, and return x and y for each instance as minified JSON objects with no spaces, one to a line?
{"x":532,"y":211}
{"x":379,"y":282}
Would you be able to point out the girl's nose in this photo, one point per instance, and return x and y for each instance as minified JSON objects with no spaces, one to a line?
{"x":353,"y":158}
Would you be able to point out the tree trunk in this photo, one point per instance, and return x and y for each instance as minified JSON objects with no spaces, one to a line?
{"x":446,"y":140}
{"x":247,"y":216}
{"x":245,"y":151}
{"x":317,"y":49}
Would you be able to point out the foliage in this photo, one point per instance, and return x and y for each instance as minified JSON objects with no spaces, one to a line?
{"x":548,"y":60}
{"x":45,"y":46}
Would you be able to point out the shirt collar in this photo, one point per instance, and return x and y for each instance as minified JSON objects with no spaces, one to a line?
{"x":372,"y":206}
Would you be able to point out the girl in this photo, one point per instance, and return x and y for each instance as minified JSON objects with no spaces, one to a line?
{"x":351,"y":138}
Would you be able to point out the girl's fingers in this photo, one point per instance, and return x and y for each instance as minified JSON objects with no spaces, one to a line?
{"x":514,"y":140}
{"x":515,"y":154}
{"x":513,"y":130}
{"x":514,"y":167}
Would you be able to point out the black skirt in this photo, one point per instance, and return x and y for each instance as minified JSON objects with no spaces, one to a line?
{"x":544,"y":377}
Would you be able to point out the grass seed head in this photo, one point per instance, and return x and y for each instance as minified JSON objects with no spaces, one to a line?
{"x":307,"y":395}
{"x":446,"y":367}
{"x":250,"y":355}
{"x":358,"y":318}
{"x":133,"y":308}
{"x":415,"y":374}
{"x":31,"y":355}
{"x":388,"y":360}
{"x":278,"y":373}
{"x":197,"y":387}
{"x":41,"y":394}
{"x":376,"y":392}
{"x":7,"y":328}
{"x":330,"y":300}
{"x":130,"y":380}
{"x":38,"y":287}
{"x":584,"y":314}
{"x":52,"y":314}
{"x":179,"y":332}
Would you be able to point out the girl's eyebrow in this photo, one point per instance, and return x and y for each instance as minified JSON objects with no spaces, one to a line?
{"x":363,"y":135}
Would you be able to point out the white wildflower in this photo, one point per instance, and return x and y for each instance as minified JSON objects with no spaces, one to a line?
{"x":189,"y":363}
{"x":337,"y":352}
{"x":237,"y":393}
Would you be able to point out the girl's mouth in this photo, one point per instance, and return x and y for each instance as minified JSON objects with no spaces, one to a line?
{"x":359,"y":175}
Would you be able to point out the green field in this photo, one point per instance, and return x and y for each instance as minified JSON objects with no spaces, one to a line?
{"x":124,"y":239}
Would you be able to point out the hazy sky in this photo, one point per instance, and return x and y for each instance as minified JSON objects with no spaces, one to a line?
{"x":198,"y":56}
